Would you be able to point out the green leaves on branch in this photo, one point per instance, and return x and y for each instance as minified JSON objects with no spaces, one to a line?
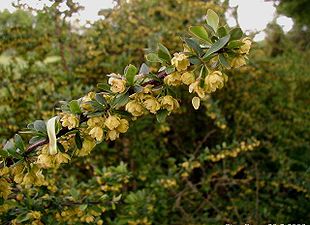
{"x":74,"y":107}
{"x":218,"y":45}
{"x":130,"y":73}
{"x":201,"y":33}
{"x":163,"y":53}
{"x":213,"y":19}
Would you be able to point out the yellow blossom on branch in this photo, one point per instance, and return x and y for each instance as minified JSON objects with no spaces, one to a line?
{"x":180,"y":61}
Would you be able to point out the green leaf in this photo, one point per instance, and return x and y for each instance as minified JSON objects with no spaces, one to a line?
{"x":100,"y":99}
{"x":83,"y":207}
{"x":40,"y":126}
{"x":144,"y":69}
{"x":162,"y":115}
{"x":193,"y":45}
{"x":234,"y":44}
{"x":212,"y":19}
{"x":217,"y":46}
{"x":120,"y":100}
{"x":78,"y":140}
{"x":75,"y":107}
{"x":200,"y":32}
{"x":223,"y":61}
{"x":19,"y":143}
{"x":222,"y":31}
{"x":163,"y":53}
{"x":105,"y":87}
{"x":194,"y":60}
{"x":130,"y":73}
{"x":153,"y":57}
{"x":236,"y":33}
{"x":170,"y":69}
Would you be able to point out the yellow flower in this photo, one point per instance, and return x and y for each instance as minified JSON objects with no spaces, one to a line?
{"x":151,"y":104}
{"x":5,"y":188}
{"x":45,"y":160}
{"x":87,"y":98}
{"x":245,"y":48}
{"x":213,"y":81}
{"x":112,"y":135}
{"x":238,"y":62}
{"x":135,"y":108}
{"x":4,"y":171}
{"x":180,"y":61}
{"x":195,"y":87}
{"x":34,"y":215}
{"x":34,"y":177}
{"x":188,"y":78}
{"x":61,"y":158}
{"x":118,"y":85}
{"x":87,"y":146}
{"x":96,"y":133}
{"x":123,"y":127}
{"x":69,"y":120}
{"x":95,"y":122}
{"x":173,"y":79}
{"x":169,"y":103}
{"x":112,"y":122}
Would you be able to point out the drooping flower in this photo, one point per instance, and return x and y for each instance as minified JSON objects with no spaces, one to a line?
{"x":245,"y":48}
{"x":238,"y":62}
{"x":151,"y":104}
{"x":188,"y":78}
{"x":180,"y":61}
{"x":69,"y":120}
{"x":96,"y":133}
{"x":123,"y":127}
{"x":135,"y":108}
{"x":213,"y":81}
{"x":169,"y":103}
{"x":118,"y":85}
{"x":112,"y":122}
{"x":173,"y":79}
{"x":195,"y":87}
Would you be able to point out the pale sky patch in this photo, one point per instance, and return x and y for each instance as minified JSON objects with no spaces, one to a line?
{"x":254,"y":15}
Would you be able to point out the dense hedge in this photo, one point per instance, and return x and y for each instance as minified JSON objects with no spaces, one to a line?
{"x":190,"y":169}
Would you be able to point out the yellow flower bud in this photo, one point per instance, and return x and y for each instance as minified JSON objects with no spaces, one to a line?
{"x":112,"y":135}
{"x":123,"y":127}
{"x":213,"y":81}
{"x":69,"y":120}
{"x":118,"y":85}
{"x":169,"y":103}
{"x":135,"y":108}
{"x":195,"y":87}
{"x":196,"y":102}
{"x":180,"y":61}
{"x":245,"y":48}
{"x":96,"y":133}
{"x":173,"y":79}
{"x":151,"y":104}
{"x":188,"y":78}
{"x":238,"y":62}
{"x":112,"y":122}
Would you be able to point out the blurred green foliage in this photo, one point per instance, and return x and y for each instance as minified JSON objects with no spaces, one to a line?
{"x":198,"y":167}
